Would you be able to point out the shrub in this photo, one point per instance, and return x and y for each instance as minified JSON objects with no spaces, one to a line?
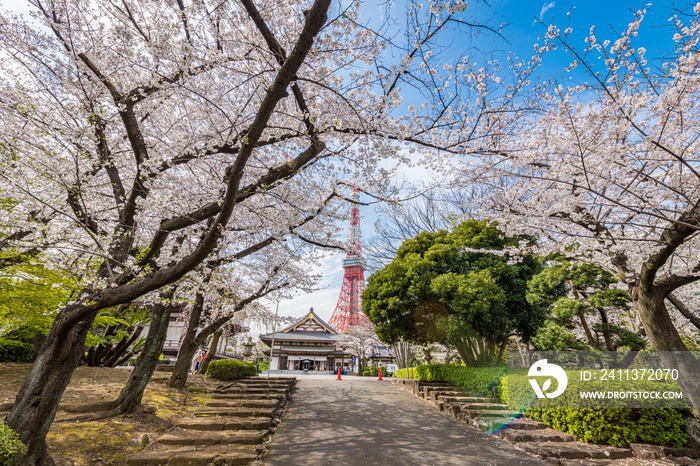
{"x":612,"y":426}
{"x":617,"y":426}
{"x":479,"y":380}
{"x":230,"y":369}
{"x":15,"y":351}
{"x":11,"y":448}
{"x":374,"y":370}
{"x":366,"y":373}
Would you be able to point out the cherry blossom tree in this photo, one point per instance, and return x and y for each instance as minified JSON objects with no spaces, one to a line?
{"x":359,"y":341}
{"x":607,"y":171}
{"x":141,"y":136}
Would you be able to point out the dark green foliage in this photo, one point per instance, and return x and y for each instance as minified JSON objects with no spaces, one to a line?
{"x":617,"y":426}
{"x":11,"y":448}
{"x":374,"y":370}
{"x":230,"y":369}
{"x":448,"y":288}
{"x":612,"y":426}
{"x":580,"y":295}
{"x":477,"y":380}
{"x":16,"y":351}
{"x":366,"y":373}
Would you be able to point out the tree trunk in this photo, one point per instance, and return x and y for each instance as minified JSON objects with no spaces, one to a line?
{"x":122,"y":349}
{"x":132,"y":393}
{"x":665,"y":339}
{"x":36,"y":404}
{"x":212,"y":351}
{"x":188,"y":348}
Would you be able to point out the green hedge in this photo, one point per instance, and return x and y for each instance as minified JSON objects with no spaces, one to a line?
{"x":612,"y":426}
{"x":11,"y":449}
{"x":617,"y":426}
{"x":15,"y":351}
{"x":230,"y":369}
{"x":488,"y":381}
{"x":366,"y":373}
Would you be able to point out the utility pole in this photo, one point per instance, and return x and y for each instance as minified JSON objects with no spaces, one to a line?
{"x":274,"y":332}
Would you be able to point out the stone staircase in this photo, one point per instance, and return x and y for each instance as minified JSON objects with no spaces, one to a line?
{"x":231,"y":429}
{"x":533,"y":437}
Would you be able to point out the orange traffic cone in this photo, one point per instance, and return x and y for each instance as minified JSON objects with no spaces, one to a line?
{"x":380,"y":374}
{"x":339,"y":374}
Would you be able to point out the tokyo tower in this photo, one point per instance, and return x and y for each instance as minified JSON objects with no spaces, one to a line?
{"x":348,"y":311}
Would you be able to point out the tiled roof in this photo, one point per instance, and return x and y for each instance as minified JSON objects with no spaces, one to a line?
{"x":381,"y":352}
{"x":301,"y":335}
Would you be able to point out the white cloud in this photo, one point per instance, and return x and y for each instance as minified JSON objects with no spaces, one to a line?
{"x":545,"y":7}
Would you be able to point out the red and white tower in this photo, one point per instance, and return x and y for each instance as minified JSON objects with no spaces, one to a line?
{"x":348,"y":311}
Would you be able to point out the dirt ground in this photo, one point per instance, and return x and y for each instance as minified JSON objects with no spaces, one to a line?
{"x":110,"y":441}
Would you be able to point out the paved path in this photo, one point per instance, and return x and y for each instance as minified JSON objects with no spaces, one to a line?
{"x":361,"y":421}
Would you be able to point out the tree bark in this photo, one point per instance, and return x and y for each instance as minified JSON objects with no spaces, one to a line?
{"x":132,"y":393}
{"x":666,"y":340}
{"x":36,"y":404}
{"x":188,"y":348}
{"x":683,"y":309}
{"x":212,"y":351}
{"x":122,"y":348}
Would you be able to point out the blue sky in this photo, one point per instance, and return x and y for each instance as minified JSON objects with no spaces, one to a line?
{"x":522,"y":30}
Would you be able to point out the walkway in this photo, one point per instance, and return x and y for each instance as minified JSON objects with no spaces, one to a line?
{"x":361,"y":421}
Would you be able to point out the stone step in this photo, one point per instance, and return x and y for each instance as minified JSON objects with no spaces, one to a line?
{"x":436,"y":391}
{"x":236,"y":412}
{"x":543,"y":435}
{"x":436,"y":394}
{"x":229,"y":455}
{"x":206,"y":438}
{"x":255,"y":391}
{"x":467,"y":399}
{"x":482,"y":406}
{"x":487,"y":413}
{"x":574,"y":450}
{"x":653,"y":452}
{"x":247,"y":396}
{"x":220,"y":423}
{"x":526,"y":424}
{"x":252,"y":403}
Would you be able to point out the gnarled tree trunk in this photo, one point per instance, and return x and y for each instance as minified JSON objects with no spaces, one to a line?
{"x":36,"y":404}
{"x":188,"y":348}
{"x":665,"y":339}
{"x":132,"y":393}
{"x":212,"y":351}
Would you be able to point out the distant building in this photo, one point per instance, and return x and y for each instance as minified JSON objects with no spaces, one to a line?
{"x":176,"y":332}
{"x":381,"y":356}
{"x":310,"y":344}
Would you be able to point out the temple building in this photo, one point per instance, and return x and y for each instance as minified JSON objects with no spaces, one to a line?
{"x":310,"y":344}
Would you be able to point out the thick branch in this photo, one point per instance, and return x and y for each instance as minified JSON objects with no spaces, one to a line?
{"x":683,"y":309}
{"x":316,"y":18}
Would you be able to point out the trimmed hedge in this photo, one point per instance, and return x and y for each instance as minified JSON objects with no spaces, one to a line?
{"x":11,"y":448}
{"x":617,"y":426}
{"x":366,"y":373}
{"x":15,"y":351}
{"x":491,"y":381}
{"x":612,"y":426}
{"x":230,"y":369}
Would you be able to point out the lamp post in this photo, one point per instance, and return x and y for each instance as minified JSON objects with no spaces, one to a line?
{"x":274,"y":332}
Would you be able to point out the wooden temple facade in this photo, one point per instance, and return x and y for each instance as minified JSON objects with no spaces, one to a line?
{"x":310,"y":344}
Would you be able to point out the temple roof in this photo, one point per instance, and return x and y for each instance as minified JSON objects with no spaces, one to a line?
{"x":309,"y":328}
{"x":310,"y":322}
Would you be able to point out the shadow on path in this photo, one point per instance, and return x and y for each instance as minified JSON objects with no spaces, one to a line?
{"x":364,"y":421}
